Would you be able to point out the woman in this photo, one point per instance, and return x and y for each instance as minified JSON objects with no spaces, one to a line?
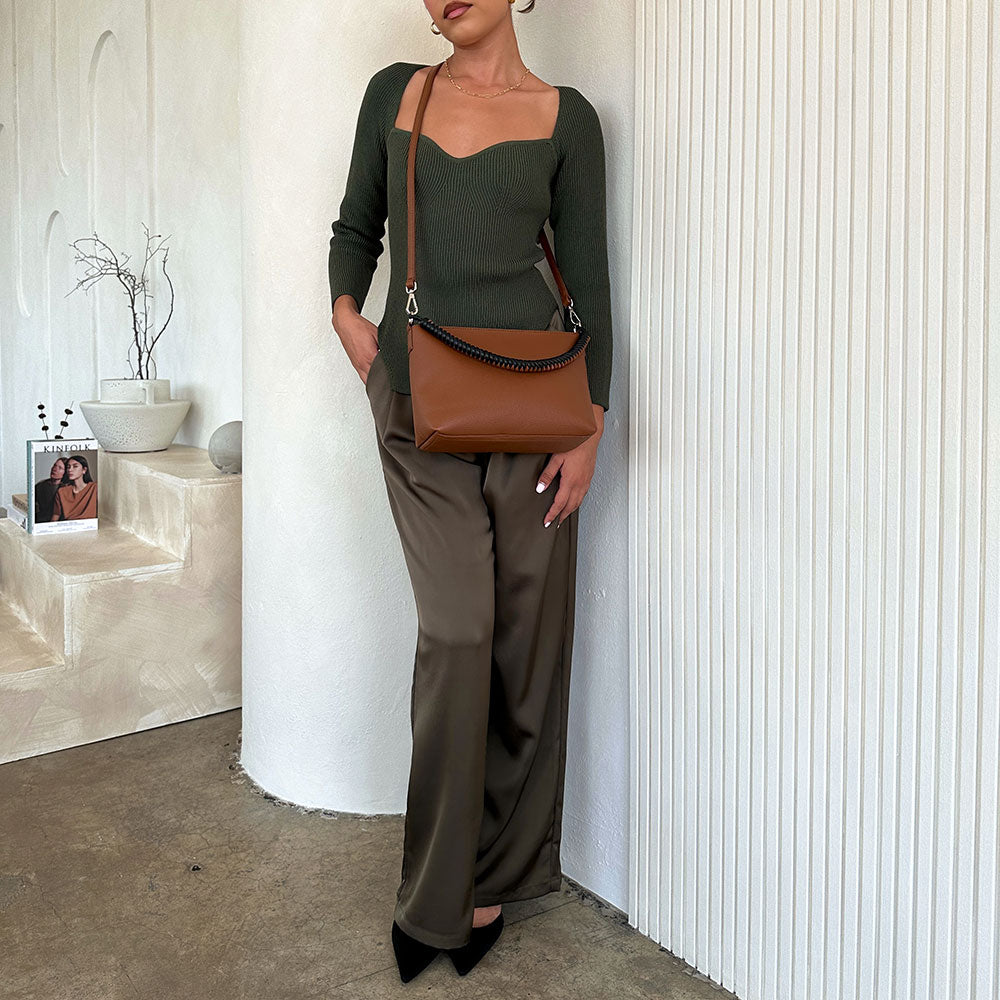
{"x":77,"y":498}
{"x":500,"y":151}
{"x":45,"y":490}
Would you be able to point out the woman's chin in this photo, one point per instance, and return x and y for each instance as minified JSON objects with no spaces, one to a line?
{"x":464,"y":28}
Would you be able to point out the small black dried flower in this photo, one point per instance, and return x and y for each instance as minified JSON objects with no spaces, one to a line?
{"x":45,"y":426}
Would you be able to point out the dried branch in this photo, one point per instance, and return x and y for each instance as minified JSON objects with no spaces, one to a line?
{"x":103,"y":262}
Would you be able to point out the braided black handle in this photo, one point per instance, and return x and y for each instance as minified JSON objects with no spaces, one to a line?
{"x":501,"y":360}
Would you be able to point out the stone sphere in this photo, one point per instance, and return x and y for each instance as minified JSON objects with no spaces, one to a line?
{"x":225,"y":447}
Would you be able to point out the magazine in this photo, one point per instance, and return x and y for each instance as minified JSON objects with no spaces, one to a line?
{"x":62,"y":485}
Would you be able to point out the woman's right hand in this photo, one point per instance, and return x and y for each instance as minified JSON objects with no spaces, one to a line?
{"x":358,"y":335}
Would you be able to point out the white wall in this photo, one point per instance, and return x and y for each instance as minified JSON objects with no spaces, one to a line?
{"x":330,"y":624}
{"x":815,"y":526}
{"x":111,"y":115}
{"x":116,"y":113}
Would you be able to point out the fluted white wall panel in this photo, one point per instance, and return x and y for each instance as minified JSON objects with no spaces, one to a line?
{"x":815,"y":523}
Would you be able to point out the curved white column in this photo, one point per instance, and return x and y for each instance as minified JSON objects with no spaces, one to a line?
{"x":329,"y":621}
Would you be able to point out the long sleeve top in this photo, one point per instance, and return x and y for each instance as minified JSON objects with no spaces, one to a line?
{"x":478,"y":219}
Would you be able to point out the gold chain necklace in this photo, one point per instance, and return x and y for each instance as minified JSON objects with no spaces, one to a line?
{"x":497,"y":94}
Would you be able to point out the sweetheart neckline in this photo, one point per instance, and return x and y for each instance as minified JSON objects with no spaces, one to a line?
{"x":493,"y":145}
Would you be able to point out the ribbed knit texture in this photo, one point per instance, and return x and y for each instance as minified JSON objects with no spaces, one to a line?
{"x":477,"y":221}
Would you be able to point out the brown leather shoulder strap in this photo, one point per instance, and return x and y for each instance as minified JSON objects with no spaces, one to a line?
{"x":411,"y":220}
{"x":550,"y":257}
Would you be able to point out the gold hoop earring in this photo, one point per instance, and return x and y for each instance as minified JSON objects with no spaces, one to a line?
{"x":434,"y":27}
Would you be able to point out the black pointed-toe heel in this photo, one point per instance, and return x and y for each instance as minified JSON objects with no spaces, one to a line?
{"x":412,"y":956}
{"x":481,"y":940}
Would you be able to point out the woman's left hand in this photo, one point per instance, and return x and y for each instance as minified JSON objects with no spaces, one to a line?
{"x":576,"y":469}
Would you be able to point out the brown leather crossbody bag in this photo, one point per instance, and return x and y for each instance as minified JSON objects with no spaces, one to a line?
{"x":483,"y":389}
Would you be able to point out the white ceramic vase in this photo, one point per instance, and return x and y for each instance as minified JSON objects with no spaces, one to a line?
{"x":135,"y":414}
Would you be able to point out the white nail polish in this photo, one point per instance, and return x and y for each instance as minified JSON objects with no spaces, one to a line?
{"x":547,"y":523}
{"x":540,"y":487}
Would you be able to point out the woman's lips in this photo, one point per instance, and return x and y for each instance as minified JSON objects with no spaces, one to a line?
{"x":456,"y":11}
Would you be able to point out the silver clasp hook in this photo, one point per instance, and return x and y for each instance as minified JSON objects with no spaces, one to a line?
{"x":411,"y":299}
{"x":574,"y":319}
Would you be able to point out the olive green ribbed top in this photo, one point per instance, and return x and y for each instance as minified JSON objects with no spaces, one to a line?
{"x":478,"y":219}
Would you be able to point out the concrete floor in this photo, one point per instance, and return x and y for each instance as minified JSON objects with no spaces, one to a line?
{"x":151,"y":866}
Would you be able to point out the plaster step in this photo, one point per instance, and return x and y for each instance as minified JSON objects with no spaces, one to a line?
{"x":22,"y":649}
{"x":141,"y":618}
{"x":36,"y":570}
{"x":149,"y":493}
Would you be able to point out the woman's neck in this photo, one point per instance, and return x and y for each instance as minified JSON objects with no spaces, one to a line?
{"x":493,"y":61}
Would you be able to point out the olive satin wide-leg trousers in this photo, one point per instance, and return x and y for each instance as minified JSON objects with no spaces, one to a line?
{"x":495,"y":593}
